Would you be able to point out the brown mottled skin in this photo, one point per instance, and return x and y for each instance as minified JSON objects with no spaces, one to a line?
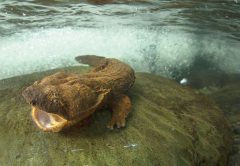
{"x":75,"y":97}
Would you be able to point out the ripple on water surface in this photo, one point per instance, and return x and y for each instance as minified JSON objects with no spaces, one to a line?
{"x":153,"y":36}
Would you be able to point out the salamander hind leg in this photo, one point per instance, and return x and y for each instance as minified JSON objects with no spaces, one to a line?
{"x":121,"y":106}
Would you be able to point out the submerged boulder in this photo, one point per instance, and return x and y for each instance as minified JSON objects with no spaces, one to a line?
{"x":227,"y":98}
{"x":169,"y":125}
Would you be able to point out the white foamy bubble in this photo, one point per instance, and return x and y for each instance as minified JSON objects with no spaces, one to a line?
{"x":184,"y":81}
{"x":151,"y":50}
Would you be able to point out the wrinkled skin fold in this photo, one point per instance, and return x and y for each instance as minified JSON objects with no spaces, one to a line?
{"x":64,"y":99}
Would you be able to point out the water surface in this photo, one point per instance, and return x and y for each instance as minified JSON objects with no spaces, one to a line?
{"x":161,"y":37}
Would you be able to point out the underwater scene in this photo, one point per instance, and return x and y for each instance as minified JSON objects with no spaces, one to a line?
{"x":120,"y":83}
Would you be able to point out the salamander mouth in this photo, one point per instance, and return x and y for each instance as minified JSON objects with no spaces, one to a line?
{"x":48,"y":121}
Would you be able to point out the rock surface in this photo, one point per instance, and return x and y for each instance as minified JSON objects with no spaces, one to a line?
{"x":228,"y":99}
{"x":169,"y":125}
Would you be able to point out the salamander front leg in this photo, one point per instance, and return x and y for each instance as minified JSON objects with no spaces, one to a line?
{"x":121,"y":106}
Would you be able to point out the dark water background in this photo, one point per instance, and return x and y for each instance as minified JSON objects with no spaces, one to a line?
{"x":162,"y":37}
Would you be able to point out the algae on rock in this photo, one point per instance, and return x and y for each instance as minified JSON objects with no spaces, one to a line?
{"x":228,"y":99}
{"x":169,"y":125}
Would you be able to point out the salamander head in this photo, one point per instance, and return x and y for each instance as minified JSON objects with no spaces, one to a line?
{"x":59,"y":103}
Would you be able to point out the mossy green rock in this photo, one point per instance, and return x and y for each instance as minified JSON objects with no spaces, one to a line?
{"x":169,"y":125}
{"x":228,"y":98}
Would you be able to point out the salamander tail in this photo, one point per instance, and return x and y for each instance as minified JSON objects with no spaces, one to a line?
{"x":91,"y":60}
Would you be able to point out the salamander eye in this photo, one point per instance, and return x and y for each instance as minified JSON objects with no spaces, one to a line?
{"x":33,"y":102}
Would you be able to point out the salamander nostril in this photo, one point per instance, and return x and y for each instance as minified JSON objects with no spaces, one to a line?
{"x":33,"y":102}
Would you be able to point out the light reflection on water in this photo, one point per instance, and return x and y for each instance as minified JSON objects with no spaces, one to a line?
{"x":154,"y":36}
